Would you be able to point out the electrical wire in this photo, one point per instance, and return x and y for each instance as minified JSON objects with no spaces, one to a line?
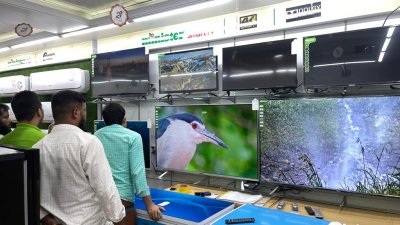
{"x":390,"y":15}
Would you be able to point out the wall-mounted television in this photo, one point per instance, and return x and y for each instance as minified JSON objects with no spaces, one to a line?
{"x":259,"y":66}
{"x":123,"y":72}
{"x":353,"y":58}
{"x":347,"y":144}
{"x":188,"y":71}
{"x":139,"y":127}
{"x":208,"y":139}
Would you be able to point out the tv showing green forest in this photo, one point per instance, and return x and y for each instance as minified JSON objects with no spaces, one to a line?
{"x":349,"y":144}
{"x":208,"y":139}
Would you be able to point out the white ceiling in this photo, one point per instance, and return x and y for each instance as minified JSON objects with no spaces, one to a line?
{"x":55,"y":17}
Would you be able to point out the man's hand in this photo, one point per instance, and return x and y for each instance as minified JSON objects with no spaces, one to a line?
{"x":154,"y":212}
{"x":49,"y":220}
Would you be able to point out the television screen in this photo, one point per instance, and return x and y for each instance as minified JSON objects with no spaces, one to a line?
{"x":259,"y":66}
{"x":139,"y":127}
{"x":349,"y":144}
{"x":351,"y":58}
{"x":120,"y":73}
{"x":188,"y":71}
{"x":210,"y":139}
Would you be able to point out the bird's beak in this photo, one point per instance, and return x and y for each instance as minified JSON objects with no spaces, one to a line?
{"x":210,"y":137}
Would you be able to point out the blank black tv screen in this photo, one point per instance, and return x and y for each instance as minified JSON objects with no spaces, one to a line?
{"x":259,"y":66}
{"x":139,"y":127}
{"x":353,"y":58}
{"x":120,"y":73}
{"x":189,"y":71}
{"x":349,"y":144}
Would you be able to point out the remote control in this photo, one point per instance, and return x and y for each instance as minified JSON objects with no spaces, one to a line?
{"x":281,"y":205}
{"x":318,"y":213}
{"x":309,"y":210}
{"x":295,"y":208}
{"x":240,"y":220}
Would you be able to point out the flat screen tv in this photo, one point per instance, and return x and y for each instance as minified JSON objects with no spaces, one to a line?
{"x":259,"y":66}
{"x":347,"y":144}
{"x":208,"y":139}
{"x":139,"y":127}
{"x":189,"y":71}
{"x":353,"y":58}
{"x":123,"y":72}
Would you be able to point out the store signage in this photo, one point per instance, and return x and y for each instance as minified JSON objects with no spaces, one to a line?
{"x":303,"y":12}
{"x":153,"y":38}
{"x":23,"y":29}
{"x":200,"y":34}
{"x":48,"y":56}
{"x":119,"y":15}
{"x":307,"y":43}
{"x":19,"y":62}
{"x":248,"y":22}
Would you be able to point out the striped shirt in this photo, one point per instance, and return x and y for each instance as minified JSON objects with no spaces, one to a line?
{"x":124,"y":151}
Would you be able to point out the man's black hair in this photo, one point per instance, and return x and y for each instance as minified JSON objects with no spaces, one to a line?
{"x":113,"y":113}
{"x":3,"y":108}
{"x":25,"y":105}
{"x":64,"y":102}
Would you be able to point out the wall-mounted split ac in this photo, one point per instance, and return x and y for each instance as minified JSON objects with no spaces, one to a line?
{"x":51,"y":82}
{"x":9,"y":86}
{"x":47,"y":117}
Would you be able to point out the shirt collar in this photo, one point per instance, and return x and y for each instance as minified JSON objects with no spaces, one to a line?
{"x":61,"y":127}
{"x":26,"y":125}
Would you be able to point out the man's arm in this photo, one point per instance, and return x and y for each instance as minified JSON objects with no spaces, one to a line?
{"x":138,"y":173}
{"x":98,"y":171}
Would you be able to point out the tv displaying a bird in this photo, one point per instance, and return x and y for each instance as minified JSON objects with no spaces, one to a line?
{"x":177,"y":139}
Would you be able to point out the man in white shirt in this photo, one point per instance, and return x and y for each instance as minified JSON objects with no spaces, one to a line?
{"x":76,"y":184}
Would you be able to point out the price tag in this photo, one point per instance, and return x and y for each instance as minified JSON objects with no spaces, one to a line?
{"x":118,"y":15}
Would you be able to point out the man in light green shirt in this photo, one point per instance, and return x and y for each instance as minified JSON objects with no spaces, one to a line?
{"x":29,"y":114}
{"x":124,"y":151}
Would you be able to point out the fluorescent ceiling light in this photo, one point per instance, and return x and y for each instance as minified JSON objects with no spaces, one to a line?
{"x":74,"y":29}
{"x":335,"y":64}
{"x":4,"y":49}
{"x":40,"y":41}
{"x":90,"y":30}
{"x":187,"y":9}
{"x":385,"y":44}
{"x":381,"y":56}
{"x":390,"y":32}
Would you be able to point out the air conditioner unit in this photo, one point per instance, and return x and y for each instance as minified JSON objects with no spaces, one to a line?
{"x":51,"y":82}
{"x":13,"y":84}
{"x":47,"y":117}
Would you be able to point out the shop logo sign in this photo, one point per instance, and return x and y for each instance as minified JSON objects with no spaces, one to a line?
{"x":48,"y":56}
{"x":303,"y":12}
{"x":162,"y":37}
{"x":248,"y":22}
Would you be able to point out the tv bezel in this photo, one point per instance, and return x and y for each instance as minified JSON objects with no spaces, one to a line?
{"x":133,"y":91}
{"x":190,"y":91}
{"x":260,"y":88}
{"x":307,"y":187}
{"x":211,"y":174}
{"x":149,"y":152}
{"x":359,"y":84}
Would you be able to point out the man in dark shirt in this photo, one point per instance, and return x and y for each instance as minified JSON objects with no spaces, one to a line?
{"x":5,"y":122}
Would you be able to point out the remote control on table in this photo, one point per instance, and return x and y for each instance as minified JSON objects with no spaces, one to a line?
{"x":318,"y":213}
{"x":295,"y":208}
{"x":281,"y":205}
{"x":309,"y":210}
{"x":240,"y":220}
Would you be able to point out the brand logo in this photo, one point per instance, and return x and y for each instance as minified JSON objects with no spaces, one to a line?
{"x":303,"y":12}
{"x":307,"y":43}
{"x":162,"y":37}
{"x":48,"y":56}
{"x":248,"y":22}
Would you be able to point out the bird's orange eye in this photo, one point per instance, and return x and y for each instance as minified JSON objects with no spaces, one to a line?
{"x":194,"y":125}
